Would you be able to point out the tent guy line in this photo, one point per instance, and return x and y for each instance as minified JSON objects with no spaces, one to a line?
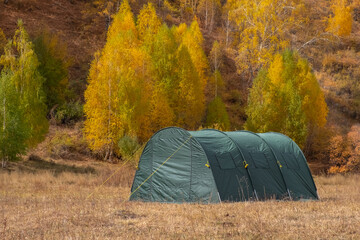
{"x":160,"y":166}
{"x":117,"y":170}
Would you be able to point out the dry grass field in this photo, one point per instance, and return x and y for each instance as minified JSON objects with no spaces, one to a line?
{"x":52,"y":204}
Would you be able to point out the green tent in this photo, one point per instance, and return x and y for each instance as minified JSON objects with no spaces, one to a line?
{"x":211,"y":166}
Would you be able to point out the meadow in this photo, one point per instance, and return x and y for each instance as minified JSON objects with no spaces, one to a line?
{"x":53,"y":203}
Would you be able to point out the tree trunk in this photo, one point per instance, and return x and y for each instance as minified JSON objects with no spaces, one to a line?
{"x":4,"y":113}
{"x":216,"y":84}
{"x":111,"y":153}
{"x":108,"y":155}
{"x":206,"y":14}
{"x":3,"y":162}
{"x":227,"y":30}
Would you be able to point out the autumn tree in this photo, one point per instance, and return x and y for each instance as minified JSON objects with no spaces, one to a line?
{"x":187,"y":8}
{"x":53,"y":67}
{"x":104,"y":8}
{"x":216,"y":110}
{"x":163,"y":69}
{"x":21,"y":62}
{"x":190,"y":103}
{"x":159,"y":45}
{"x":117,"y":97}
{"x":164,"y":62}
{"x":287,"y":98}
{"x":340,"y":23}
{"x":145,"y":78}
{"x":217,"y":114}
{"x":227,"y":23}
{"x":192,"y":74}
{"x":209,"y":11}
{"x":262,"y":26}
{"x":216,"y":57}
{"x":161,"y":113}
{"x":169,"y":9}
{"x":2,"y":41}
{"x":175,"y":56}
{"x":148,"y":23}
{"x":14,"y":131}
{"x":23,"y":111}
{"x":193,"y":39}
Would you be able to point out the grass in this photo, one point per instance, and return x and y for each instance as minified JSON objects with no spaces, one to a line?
{"x":45,"y":205}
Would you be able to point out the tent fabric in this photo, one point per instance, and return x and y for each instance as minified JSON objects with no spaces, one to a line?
{"x":265,"y":172}
{"x":295,"y":169}
{"x":232,"y":179}
{"x":184,"y":177}
{"x":210,"y":166}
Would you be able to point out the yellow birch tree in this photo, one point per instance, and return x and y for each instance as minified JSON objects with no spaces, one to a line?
{"x":340,"y":23}
{"x":262,"y":25}
{"x":117,"y":94}
{"x":287,"y":98}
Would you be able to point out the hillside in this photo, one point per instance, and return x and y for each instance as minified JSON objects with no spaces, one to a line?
{"x":65,"y":18}
{"x":335,"y":61}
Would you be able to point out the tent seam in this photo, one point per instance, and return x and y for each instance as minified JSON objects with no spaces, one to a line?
{"x":304,"y":158}
{"x":242,"y":155}
{"x":282,"y":175}
{"x":281,"y":172}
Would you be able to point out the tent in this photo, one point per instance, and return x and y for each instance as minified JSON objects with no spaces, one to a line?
{"x":211,"y":166}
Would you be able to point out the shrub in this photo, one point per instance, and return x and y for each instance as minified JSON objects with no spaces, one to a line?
{"x":53,"y":67}
{"x":67,"y":144}
{"x":69,"y":113}
{"x":345,"y":151}
{"x":60,"y":145}
{"x":128,"y":146}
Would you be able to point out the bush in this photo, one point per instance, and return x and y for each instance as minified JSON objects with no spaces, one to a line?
{"x":128,"y":146}
{"x":345,"y":151}
{"x":69,"y":113}
{"x":60,"y":145}
{"x":67,"y":144}
{"x":53,"y":66}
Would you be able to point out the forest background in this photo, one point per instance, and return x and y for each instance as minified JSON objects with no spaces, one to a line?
{"x":106,"y":75}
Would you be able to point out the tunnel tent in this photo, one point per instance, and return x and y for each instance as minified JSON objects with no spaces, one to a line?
{"x":211,"y":166}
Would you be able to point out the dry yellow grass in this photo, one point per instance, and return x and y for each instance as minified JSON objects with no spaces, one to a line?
{"x":48,"y":206}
